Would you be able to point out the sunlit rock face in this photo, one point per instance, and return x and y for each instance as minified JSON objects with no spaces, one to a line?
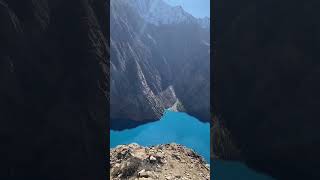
{"x":156,"y":63}
{"x":266,"y":87}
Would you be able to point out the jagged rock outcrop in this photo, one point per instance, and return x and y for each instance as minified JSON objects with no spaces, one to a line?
{"x":53,"y":99}
{"x":156,"y":62}
{"x":266,"y":75}
{"x":163,"y":162}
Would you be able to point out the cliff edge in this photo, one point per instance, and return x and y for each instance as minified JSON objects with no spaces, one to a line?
{"x":169,"y":161}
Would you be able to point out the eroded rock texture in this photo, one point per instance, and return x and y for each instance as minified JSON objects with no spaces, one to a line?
{"x":162,"y":162}
{"x":154,"y":66}
{"x":266,"y":83}
{"x":53,"y":98}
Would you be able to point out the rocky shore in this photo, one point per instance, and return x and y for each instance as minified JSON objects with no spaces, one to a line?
{"x":163,"y":162}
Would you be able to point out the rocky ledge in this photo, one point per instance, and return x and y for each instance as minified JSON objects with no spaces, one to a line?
{"x":169,"y":161}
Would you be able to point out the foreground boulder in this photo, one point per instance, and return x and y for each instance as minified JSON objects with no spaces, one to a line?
{"x":169,"y":161}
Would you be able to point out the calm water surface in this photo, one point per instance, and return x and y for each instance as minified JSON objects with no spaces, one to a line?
{"x":227,"y":170}
{"x":174,"y":127}
{"x":183,"y":129}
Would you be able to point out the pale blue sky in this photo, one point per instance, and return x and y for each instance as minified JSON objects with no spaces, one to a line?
{"x":198,"y":8}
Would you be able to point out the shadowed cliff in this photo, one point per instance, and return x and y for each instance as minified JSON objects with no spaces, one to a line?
{"x":266,"y":83}
{"x":156,"y":66}
{"x":53,"y":101}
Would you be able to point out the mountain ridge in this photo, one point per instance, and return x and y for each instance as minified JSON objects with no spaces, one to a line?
{"x":159,"y":12}
{"x":152,"y":66}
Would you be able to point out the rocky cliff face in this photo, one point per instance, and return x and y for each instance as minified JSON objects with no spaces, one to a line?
{"x":53,"y":101}
{"x":158,"y":12}
{"x":156,"y":63}
{"x":222,"y":143}
{"x":163,"y":162}
{"x":266,"y":89}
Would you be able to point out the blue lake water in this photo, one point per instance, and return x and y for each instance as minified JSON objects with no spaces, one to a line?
{"x":228,"y":170}
{"x":173,"y":127}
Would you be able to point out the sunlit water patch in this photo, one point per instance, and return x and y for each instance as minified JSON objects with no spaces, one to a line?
{"x":173,"y":127}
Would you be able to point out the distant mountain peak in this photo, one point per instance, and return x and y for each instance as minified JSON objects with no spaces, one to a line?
{"x":159,"y":12}
{"x":178,"y":8}
{"x":204,"y":22}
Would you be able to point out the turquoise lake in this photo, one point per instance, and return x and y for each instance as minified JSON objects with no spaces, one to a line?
{"x":173,"y":127}
{"x":180,"y":128}
{"x":228,"y":170}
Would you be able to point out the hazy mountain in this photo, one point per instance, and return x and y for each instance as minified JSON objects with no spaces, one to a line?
{"x":204,"y":22}
{"x":157,"y":60}
{"x":158,"y":12}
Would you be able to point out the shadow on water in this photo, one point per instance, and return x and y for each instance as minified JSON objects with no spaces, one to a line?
{"x":229,"y":170}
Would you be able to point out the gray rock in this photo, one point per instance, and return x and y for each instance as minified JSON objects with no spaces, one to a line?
{"x":148,"y":77}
